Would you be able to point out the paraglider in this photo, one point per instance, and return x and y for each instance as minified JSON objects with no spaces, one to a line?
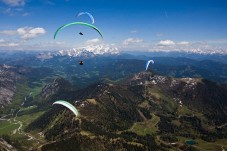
{"x":81,"y":33}
{"x":68,"y":105}
{"x":81,"y":63}
{"x":86,"y":13}
{"x":77,"y":23}
{"x":148,"y":62}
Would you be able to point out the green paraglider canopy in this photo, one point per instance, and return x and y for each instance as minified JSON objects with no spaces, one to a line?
{"x":77,"y":23}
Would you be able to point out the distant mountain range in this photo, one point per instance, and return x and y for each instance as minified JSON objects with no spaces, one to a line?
{"x":101,"y":50}
{"x":81,"y":52}
{"x":122,"y":106}
{"x":98,"y":66}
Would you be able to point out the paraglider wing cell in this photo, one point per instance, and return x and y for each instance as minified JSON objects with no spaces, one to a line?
{"x":68,"y":105}
{"x":86,"y":13}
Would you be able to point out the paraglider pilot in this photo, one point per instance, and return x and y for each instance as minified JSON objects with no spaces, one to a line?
{"x":81,"y":63}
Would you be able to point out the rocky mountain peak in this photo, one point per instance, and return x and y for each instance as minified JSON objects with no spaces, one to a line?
{"x":55,"y":87}
{"x":9,"y":76}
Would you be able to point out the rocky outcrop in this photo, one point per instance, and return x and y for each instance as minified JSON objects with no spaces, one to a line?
{"x":8,"y":79}
{"x":59,"y":85}
{"x":6,"y":146}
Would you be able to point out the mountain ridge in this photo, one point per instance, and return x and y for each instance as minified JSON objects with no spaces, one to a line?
{"x":112,"y":109}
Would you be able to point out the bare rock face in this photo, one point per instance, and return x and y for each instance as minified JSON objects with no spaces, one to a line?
{"x":59,"y":85}
{"x":147,"y":77}
{"x":6,"y":96}
{"x":8,"y":79}
{"x":6,"y":146}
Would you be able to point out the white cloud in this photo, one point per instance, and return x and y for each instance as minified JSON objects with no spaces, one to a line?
{"x":2,"y":40}
{"x":25,"y":45}
{"x":8,"y":44}
{"x":12,"y":44}
{"x":132,"y":41}
{"x":49,"y":45}
{"x":199,"y":47}
{"x":170,"y":45}
{"x":166,"y":43}
{"x":183,"y":43}
{"x":8,"y":32}
{"x":25,"y":33}
{"x":218,"y":41}
{"x":14,"y":11}
{"x":14,"y":3}
{"x":92,"y":41}
{"x":5,"y":43}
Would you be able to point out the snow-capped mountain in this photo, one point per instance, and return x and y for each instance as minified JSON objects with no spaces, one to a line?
{"x":89,"y":51}
{"x":199,"y":51}
{"x":103,"y":49}
{"x":76,"y":53}
{"x":208,"y":51}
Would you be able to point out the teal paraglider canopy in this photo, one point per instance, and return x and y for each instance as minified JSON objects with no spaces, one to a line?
{"x":77,"y":23}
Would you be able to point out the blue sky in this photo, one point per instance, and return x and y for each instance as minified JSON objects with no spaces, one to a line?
{"x":146,"y":25}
